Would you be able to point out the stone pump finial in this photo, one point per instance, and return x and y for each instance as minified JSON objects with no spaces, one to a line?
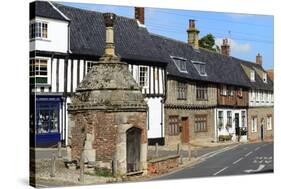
{"x":109,"y":19}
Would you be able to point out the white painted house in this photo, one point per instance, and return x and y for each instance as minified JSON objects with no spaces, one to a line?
{"x":65,"y":42}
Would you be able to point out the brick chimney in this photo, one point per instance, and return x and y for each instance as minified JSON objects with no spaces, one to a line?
{"x":192,"y":32}
{"x":225,"y":47}
{"x":259,"y":59}
{"x":139,"y":14}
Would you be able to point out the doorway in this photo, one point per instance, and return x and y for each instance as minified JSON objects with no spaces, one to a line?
{"x":262,"y":132}
{"x":185,"y":130}
{"x":237,"y":127}
{"x":133,"y":149}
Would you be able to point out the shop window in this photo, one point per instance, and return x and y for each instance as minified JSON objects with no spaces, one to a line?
{"x":47,"y":118}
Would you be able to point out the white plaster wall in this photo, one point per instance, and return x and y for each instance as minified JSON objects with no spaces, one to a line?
{"x":260,"y":98}
{"x":61,"y":75}
{"x":154,"y":117}
{"x":57,"y":36}
{"x":224,"y":130}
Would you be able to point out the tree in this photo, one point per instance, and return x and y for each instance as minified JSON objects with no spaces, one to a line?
{"x":208,"y":42}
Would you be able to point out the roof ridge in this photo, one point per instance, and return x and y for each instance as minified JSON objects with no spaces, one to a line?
{"x":90,"y":11}
{"x":56,"y":9}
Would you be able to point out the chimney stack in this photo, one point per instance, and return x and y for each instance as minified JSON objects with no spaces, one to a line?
{"x":192,"y":32}
{"x":139,"y":14}
{"x":225,"y":47}
{"x":259,"y":59}
{"x":109,"y":19}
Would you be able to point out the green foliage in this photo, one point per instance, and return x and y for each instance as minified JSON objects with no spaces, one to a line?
{"x":208,"y":42}
{"x":225,"y":137}
{"x":102,"y":172}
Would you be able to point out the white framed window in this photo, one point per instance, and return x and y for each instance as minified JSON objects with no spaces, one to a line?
{"x":253,"y":95}
{"x":269,"y":122}
{"x":243,"y":115}
{"x":220,"y":116}
{"x":90,"y":64}
{"x":143,"y":76}
{"x":254,"y":125}
{"x":223,"y":90}
{"x":181,"y":91}
{"x":38,"y":29}
{"x":240,"y":92}
{"x":38,"y":70}
{"x":180,"y":63}
{"x":229,"y":118}
{"x":253,"y":76}
{"x":200,"y":67}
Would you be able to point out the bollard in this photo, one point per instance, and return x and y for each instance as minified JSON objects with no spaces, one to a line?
{"x":196,"y":153}
{"x":114,"y":166}
{"x":156,"y":149}
{"x":59,"y":149}
{"x":53,"y":166}
{"x":82,"y":167}
{"x":178,"y":149}
{"x":189,"y":152}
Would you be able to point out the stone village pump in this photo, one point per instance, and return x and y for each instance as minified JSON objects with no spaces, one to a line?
{"x":107,"y":114}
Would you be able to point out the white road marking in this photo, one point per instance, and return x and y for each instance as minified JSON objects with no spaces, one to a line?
{"x":248,"y":153}
{"x":257,"y":170}
{"x":220,"y":171}
{"x":237,"y":161}
{"x":267,"y":162}
{"x":257,"y":148}
{"x":219,"y":151}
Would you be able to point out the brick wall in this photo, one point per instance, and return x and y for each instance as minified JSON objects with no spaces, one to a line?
{"x":162,"y":165}
{"x":104,"y":127}
{"x":260,"y":113}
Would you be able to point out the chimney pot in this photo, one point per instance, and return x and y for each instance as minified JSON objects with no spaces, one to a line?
{"x":259,"y":59}
{"x":139,"y":14}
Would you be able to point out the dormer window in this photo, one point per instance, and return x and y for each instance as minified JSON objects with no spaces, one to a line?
{"x":253,"y":76}
{"x":180,"y":63}
{"x":264,"y":77}
{"x":200,"y":67}
{"x":38,"y":30}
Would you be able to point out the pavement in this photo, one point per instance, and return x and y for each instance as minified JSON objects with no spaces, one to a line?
{"x":233,"y":160}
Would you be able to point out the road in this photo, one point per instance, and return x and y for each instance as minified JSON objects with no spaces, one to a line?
{"x":241,"y":159}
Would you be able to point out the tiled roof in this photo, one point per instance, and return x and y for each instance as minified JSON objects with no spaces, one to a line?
{"x":44,"y":9}
{"x":87,"y":36}
{"x":135,"y":44}
{"x":258,"y":84}
{"x":219,"y":68}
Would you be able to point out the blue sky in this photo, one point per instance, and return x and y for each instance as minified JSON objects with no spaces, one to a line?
{"x":249,"y":34}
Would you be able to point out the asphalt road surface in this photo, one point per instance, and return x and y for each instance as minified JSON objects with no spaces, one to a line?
{"x":238,"y":160}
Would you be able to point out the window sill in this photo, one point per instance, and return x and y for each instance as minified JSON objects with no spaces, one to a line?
{"x":202,"y":99}
{"x":40,"y":39}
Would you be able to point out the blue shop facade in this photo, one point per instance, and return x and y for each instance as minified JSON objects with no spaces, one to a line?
{"x":47,"y":126}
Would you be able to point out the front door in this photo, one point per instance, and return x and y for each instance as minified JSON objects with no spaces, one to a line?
{"x":185,"y":130}
{"x":237,"y":128}
{"x":133,"y":149}
{"x":261,"y":132}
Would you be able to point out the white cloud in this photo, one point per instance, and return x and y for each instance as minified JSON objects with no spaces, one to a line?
{"x":235,"y":46}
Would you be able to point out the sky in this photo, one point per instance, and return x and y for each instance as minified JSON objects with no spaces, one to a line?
{"x":248,"y":34}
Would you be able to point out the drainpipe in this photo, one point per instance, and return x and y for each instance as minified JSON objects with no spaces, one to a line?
{"x":216,"y":128}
